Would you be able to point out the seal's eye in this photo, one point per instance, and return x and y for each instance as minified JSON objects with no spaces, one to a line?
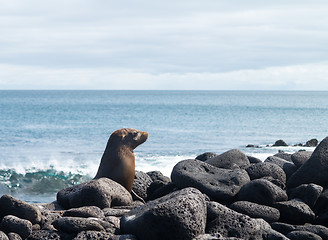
{"x":135,"y":135}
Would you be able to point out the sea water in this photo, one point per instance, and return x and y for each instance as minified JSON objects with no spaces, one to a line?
{"x":53,"y":139}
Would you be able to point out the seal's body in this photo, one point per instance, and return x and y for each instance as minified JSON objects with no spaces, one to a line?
{"x":118,"y":161}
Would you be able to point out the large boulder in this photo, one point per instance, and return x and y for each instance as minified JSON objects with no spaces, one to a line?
{"x":218,"y":183}
{"x":264,"y":169}
{"x":295,"y":212}
{"x":230,"y":223}
{"x":102,"y":192}
{"x":12,"y":206}
{"x":205,"y":156}
{"x":17,"y":225}
{"x":280,"y":143}
{"x":308,"y":193}
{"x":261,"y":191}
{"x":179,"y":215}
{"x":314,"y":170}
{"x":77,"y":224}
{"x":231,"y":159}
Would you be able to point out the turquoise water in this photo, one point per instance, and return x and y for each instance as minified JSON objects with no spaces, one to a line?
{"x":52,"y":139}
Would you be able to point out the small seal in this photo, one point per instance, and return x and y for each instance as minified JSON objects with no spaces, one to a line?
{"x":118,"y":161}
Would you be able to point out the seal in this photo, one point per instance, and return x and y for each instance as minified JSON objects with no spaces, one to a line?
{"x":118,"y":160}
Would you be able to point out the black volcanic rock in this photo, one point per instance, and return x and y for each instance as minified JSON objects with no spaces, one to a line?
{"x":255,"y":210}
{"x":265,"y":169}
{"x":280,"y":143}
{"x":308,"y":193}
{"x":314,"y":170}
{"x":295,"y":212}
{"x":288,"y":166}
{"x":231,"y":159}
{"x":261,"y":191}
{"x":218,"y":183}
{"x":205,"y":156}
{"x":179,"y":215}
{"x":102,"y":192}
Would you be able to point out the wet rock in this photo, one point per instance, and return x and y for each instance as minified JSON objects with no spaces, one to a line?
{"x":284,"y":155}
{"x":252,"y":159}
{"x":12,"y":206}
{"x":102,"y":192}
{"x":218,"y":183}
{"x":17,"y":225}
{"x":311,"y":143}
{"x":141,"y":183}
{"x":295,"y":212}
{"x":179,"y":215}
{"x":85,"y":212}
{"x":303,"y":235}
{"x":280,"y":143}
{"x":313,"y":170}
{"x":13,"y":236}
{"x":229,"y":160}
{"x":205,"y":156}
{"x":308,"y":193}
{"x":261,"y":191}
{"x":3,"y":236}
{"x":264,"y":169}
{"x":77,"y":224}
{"x":288,"y":167}
{"x":158,"y":176}
{"x":230,"y":223}
{"x":255,"y":210}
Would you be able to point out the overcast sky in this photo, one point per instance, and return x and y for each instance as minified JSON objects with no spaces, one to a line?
{"x":180,"y":44}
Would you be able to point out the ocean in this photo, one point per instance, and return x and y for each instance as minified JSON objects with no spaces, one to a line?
{"x":53,"y":139}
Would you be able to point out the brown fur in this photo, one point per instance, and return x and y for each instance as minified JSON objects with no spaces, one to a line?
{"x":118,"y":161}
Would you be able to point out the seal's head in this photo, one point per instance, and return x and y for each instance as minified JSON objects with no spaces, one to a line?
{"x":129,"y":137}
{"x":117,"y":162}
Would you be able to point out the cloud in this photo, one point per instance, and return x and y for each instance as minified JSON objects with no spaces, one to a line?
{"x":153,"y":39}
{"x":297,"y":77}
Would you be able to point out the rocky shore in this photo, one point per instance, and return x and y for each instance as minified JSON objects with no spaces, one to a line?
{"x":226,"y":196}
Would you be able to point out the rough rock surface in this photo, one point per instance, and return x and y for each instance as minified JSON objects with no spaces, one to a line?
{"x":205,"y":156}
{"x":3,"y":236}
{"x":90,"y":211}
{"x":280,"y":143}
{"x":265,"y":169}
{"x":303,"y":235}
{"x":313,"y":170}
{"x":218,"y":183}
{"x":308,"y":193}
{"x":102,"y":192}
{"x":230,"y":223}
{"x":77,"y":224}
{"x":179,"y":215}
{"x":158,"y":176}
{"x":299,"y":158}
{"x":255,"y":210}
{"x":141,"y":183}
{"x":288,"y":167}
{"x":261,"y":191}
{"x":295,"y":212}
{"x":230,"y":159}
{"x":17,"y":225}
{"x":12,"y":206}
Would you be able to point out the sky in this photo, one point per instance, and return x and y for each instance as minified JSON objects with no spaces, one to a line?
{"x":165,"y":45}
